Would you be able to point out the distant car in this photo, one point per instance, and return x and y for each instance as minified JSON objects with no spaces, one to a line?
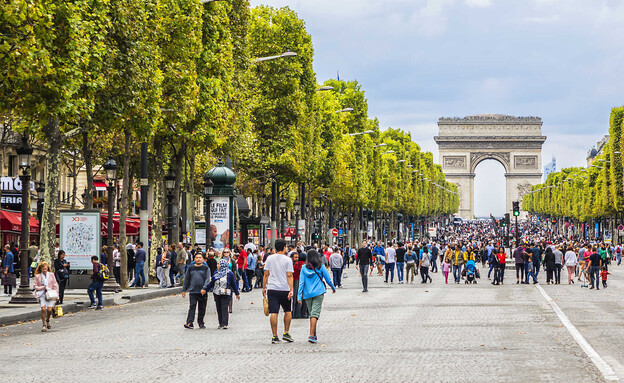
{"x":458,"y":221}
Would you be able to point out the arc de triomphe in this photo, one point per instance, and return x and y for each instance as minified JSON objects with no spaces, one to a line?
{"x":515,"y":142}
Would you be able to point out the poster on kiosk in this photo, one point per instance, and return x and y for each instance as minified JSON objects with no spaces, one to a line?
{"x":79,"y":233}
{"x":220,"y":222}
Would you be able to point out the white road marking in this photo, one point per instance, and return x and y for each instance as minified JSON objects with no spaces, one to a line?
{"x":600,"y":363}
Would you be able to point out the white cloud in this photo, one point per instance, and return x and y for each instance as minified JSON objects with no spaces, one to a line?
{"x":542,"y":19}
{"x":478,"y":3}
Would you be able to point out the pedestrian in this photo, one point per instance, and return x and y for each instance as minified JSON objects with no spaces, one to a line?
{"x":61,"y":272}
{"x":558,"y":264}
{"x":223,"y":284}
{"x":594,"y":269}
{"x":570,"y":263}
{"x":603,"y":274}
{"x":518,"y":255}
{"x":103,"y":253}
{"x":335,"y":263}
{"x":159,"y":270}
{"x":140,"y":256}
{"x":425,"y":263}
{"x":312,"y":288}
{"x":400,"y":262}
{"x":499,"y":274}
{"x":530,"y":269}
{"x":252,"y":259}
{"x":300,"y":310}
{"x":434,"y":257}
{"x":446,"y":267}
{"x":117,"y":262}
{"x":363,"y":259}
{"x":131,"y":263}
{"x":259,"y":268}
{"x":390,"y":262}
{"x":549,"y":264}
{"x":181,"y":263}
{"x":47,"y":292}
{"x":165,"y":264}
{"x":379,"y":253}
{"x":618,"y":254}
{"x":457,"y":260}
{"x":410,"y":258}
{"x":173,"y":265}
{"x":8,"y":271}
{"x":278,"y":288}
{"x":196,"y":277}
{"x":241,"y":264}
{"x":96,"y":284}
{"x":211,"y":262}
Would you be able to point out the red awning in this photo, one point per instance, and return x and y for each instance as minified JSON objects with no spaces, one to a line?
{"x":99,"y":185}
{"x":11,"y":221}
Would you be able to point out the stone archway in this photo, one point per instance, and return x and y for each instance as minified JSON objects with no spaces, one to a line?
{"x":515,"y":142}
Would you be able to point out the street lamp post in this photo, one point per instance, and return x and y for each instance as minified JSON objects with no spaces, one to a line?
{"x":110,"y":168}
{"x":297,"y":207}
{"x":170,"y":179}
{"x":24,"y":294}
{"x":282,"y":206}
{"x":208,"y":186}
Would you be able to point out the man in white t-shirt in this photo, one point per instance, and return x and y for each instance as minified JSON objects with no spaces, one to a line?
{"x":278,"y":288}
{"x":390,"y":262}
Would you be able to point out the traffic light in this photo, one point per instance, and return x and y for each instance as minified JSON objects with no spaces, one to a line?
{"x":507,"y":219}
{"x":516,"y":208}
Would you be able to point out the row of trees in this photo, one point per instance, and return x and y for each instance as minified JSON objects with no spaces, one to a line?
{"x":585,"y":193}
{"x":89,"y":78}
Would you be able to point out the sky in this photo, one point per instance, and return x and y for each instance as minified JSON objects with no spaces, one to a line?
{"x":419,"y":60}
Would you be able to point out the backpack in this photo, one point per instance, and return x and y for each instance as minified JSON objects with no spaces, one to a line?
{"x":221,"y":286}
{"x":165,"y":263}
{"x":103,"y":273}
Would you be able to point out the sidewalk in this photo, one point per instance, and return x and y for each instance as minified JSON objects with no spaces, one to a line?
{"x":78,"y":300}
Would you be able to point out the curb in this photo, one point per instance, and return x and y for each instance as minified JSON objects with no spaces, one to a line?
{"x":77,"y":306}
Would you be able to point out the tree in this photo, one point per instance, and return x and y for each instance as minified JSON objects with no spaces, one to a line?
{"x":50,"y":62}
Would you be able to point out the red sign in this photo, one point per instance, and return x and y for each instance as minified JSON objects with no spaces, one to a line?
{"x":335,"y":232}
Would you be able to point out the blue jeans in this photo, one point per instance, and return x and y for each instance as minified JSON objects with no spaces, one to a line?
{"x":138,"y":272}
{"x":594,"y":273}
{"x":243,"y":274}
{"x":457,"y":272}
{"x":530,"y":274}
{"x":337,"y":274}
{"x":400,"y":268}
{"x":97,"y":287}
{"x":491,"y":268}
{"x":434,"y":265}
{"x":390,"y":269}
{"x":618,"y":257}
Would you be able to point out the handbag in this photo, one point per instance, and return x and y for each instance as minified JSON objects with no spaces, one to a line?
{"x":265,"y":305}
{"x":57,"y":312}
{"x":51,"y":295}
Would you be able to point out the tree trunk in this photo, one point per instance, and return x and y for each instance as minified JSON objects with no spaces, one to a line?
{"x":75,"y":184}
{"x":178,"y":167}
{"x":88,"y":163}
{"x":159,"y":196}
{"x":47,"y":232}
{"x":190,"y":195}
{"x":123,"y":210}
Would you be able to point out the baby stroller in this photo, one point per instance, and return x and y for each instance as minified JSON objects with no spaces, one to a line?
{"x":471,"y":272}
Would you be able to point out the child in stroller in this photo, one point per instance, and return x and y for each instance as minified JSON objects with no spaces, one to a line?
{"x":471,"y":272}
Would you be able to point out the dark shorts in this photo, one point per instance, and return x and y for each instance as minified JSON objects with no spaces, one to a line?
{"x":276,"y":299}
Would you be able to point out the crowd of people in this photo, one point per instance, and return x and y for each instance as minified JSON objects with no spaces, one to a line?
{"x":294,"y":278}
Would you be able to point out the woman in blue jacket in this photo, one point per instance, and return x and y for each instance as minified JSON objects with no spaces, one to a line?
{"x":312,"y":289}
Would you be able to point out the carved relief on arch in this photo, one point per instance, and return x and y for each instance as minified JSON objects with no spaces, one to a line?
{"x":477,"y":157}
